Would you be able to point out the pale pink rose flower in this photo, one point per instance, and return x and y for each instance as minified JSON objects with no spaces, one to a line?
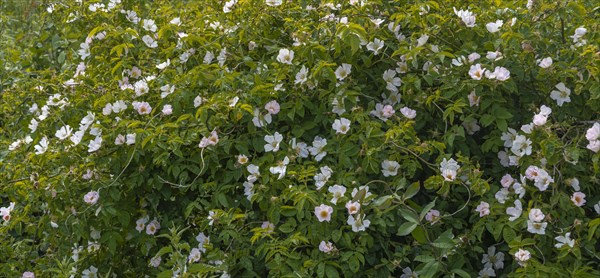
{"x":433,"y":216}
{"x":323,"y":212}
{"x":578,"y":199}
{"x":483,"y":208}
{"x":272,"y":107}
{"x":91,"y":197}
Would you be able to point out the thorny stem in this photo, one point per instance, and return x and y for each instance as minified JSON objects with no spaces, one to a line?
{"x":442,"y":110}
{"x":193,"y":181}
{"x":380,"y":181}
{"x":468,"y":200}
{"x":431,"y":165}
{"x":562,"y":30}
{"x":541,"y":253}
{"x":26,"y":178}
{"x":591,"y":253}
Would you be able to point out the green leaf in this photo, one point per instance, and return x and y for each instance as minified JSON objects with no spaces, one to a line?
{"x":491,"y":144}
{"x":443,"y":243}
{"x":495,"y":230}
{"x":331,"y":271}
{"x":336,"y":235}
{"x":434,"y":182}
{"x":412,"y":190}
{"x":288,"y":211}
{"x":419,"y":235}
{"x":354,"y":42}
{"x":288,"y":227}
{"x":486,"y":120}
{"x":409,"y":216}
{"x":353,"y":263}
{"x":124,"y":218}
{"x":593,"y":226}
{"x":406,"y":228}
{"x":426,"y":209}
{"x":165,"y":274}
{"x":321,"y":270}
{"x":112,"y":240}
{"x":199,"y":268}
{"x":508,"y":234}
{"x":502,"y":124}
{"x":190,"y":207}
{"x":430,"y":269}
{"x":115,"y":194}
{"x":360,"y":195}
{"x":274,"y":215}
{"x":383,"y":202}
{"x":95,"y":31}
{"x":147,"y":140}
{"x":577,"y":8}
{"x":222,"y":199}
{"x":424,"y":258}
{"x":502,"y":113}
{"x":461,"y":273}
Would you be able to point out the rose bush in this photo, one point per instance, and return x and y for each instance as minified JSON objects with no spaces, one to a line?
{"x":301,"y":138}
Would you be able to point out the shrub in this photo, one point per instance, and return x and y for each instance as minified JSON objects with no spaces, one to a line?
{"x":302,"y":138}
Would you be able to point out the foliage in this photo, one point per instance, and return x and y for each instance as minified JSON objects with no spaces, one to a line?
{"x":307,"y":138}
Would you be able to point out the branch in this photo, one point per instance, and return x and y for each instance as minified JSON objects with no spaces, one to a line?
{"x":463,"y":207}
{"x":193,"y":181}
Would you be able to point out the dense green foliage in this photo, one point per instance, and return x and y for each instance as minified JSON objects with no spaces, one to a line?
{"x":209,"y":138}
